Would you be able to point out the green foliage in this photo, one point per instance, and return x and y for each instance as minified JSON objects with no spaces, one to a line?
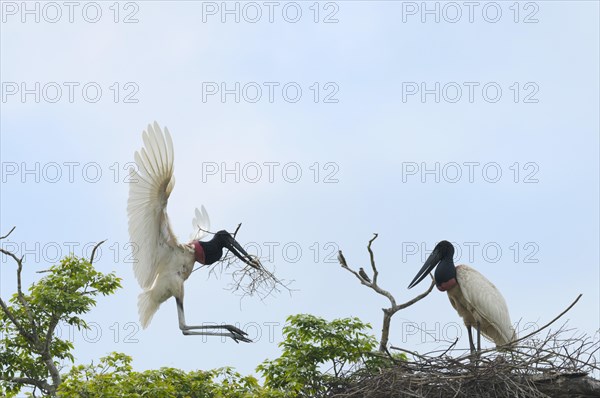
{"x":29,"y":350}
{"x":114,"y":377}
{"x":316,"y":354}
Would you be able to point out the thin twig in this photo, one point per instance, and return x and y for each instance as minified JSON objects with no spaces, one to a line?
{"x":247,"y":280}
{"x":9,"y":232}
{"x":549,"y":323}
{"x":234,"y":235}
{"x":372,"y":258}
{"x":94,"y":250}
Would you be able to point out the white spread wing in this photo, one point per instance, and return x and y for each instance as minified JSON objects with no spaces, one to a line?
{"x":201,"y":224}
{"x":149,"y":190}
{"x":485,"y":299}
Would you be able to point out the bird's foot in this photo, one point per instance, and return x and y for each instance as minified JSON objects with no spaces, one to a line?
{"x":237,"y":334}
{"x":237,"y":338}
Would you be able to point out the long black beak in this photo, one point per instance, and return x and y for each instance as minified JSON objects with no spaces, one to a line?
{"x":240,"y":253}
{"x":434,"y":258}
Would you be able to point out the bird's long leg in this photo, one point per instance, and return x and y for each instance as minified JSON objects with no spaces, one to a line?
{"x":471,"y":345}
{"x":478,"y":336}
{"x":236,"y":334}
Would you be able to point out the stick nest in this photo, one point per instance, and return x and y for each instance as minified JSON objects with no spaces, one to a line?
{"x":553,"y":366}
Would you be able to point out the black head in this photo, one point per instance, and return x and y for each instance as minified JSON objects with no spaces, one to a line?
{"x":445,"y":248}
{"x":213,"y":249}
{"x":442,"y":254}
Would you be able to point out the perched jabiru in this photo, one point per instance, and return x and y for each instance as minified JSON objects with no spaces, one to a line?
{"x":475,"y":298}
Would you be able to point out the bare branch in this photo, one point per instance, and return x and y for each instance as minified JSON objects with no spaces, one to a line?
{"x":372,"y":257}
{"x":415,"y":354}
{"x":9,"y":232}
{"x":234,"y":235}
{"x":10,"y":254}
{"x":549,"y":323}
{"x":414,"y":300}
{"x":94,"y":250}
{"x":237,"y":229}
{"x":514,"y":343}
{"x":41,"y":384}
{"x":373,"y":284}
{"x":6,"y":252}
{"x":449,"y":348}
{"x":394,"y":307}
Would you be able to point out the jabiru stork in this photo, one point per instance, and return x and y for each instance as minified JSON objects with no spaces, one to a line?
{"x":162,"y":264}
{"x":475,"y":298}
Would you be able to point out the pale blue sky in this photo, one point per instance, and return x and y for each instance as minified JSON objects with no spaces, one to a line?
{"x":366,"y":140}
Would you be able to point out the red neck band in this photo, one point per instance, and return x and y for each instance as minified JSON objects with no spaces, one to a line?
{"x":199,"y":252}
{"x":445,"y":286}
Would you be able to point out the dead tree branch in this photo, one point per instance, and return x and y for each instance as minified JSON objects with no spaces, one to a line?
{"x":549,"y":323}
{"x":94,"y":250}
{"x":364,"y":279}
{"x":9,"y":232}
